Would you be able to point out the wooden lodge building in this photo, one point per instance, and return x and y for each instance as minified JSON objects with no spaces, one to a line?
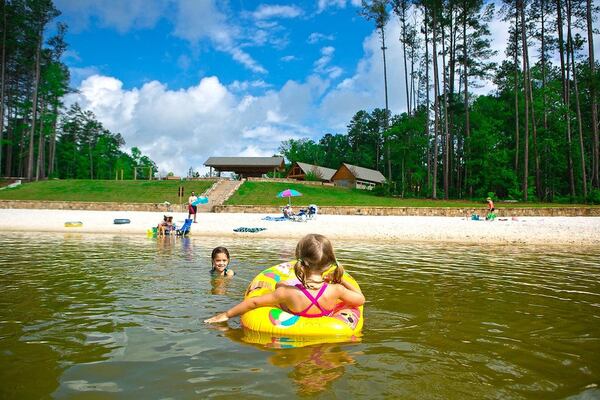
{"x":245,"y":166}
{"x":351,"y":176}
{"x":300,"y":169}
{"x":348,"y":176}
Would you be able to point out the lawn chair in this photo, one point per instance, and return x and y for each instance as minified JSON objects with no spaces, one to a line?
{"x":185,"y":228}
{"x":312,"y":211}
{"x":307,"y":213}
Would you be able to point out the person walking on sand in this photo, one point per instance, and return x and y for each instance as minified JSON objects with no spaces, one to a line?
{"x":192,"y":208}
{"x":490,"y":205}
{"x":490,"y":215}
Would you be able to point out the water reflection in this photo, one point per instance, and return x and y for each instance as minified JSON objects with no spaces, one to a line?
{"x":313,"y":363}
{"x":219,"y":284}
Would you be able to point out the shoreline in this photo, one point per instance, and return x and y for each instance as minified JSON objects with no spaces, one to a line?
{"x":577,"y":231}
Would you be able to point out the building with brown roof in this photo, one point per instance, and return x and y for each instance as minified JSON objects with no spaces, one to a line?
{"x":299,"y":171}
{"x":245,"y":166}
{"x":352,"y":176}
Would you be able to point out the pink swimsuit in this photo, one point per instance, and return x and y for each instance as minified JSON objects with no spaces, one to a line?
{"x":314,"y":301}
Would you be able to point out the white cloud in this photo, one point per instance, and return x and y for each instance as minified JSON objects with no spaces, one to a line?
{"x":288,"y":58}
{"x":324,"y":4}
{"x":322,"y":64}
{"x":242,"y":86}
{"x":266,"y":12}
{"x":318,"y":37}
{"x":117,"y":14}
{"x":182,"y":128}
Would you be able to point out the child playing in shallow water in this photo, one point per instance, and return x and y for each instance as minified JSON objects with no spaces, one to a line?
{"x":315,"y":295}
{"x":220,"y":262}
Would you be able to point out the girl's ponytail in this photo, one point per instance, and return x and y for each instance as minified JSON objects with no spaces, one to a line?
{"x":299,"y":271}
{"x":337,"y":274}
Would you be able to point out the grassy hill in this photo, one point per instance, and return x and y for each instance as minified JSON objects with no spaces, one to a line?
{"x":250,"y":193}
{"x":264,"y":193}
{"x":104,"y":191}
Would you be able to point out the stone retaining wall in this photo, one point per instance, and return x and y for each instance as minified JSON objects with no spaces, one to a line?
{"x":401,"y":211}
{"x":83,"y":205}
{"x":427,"y":211}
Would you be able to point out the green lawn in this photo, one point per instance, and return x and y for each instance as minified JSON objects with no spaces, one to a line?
{"x":104,"y":191}
{"x":264,"y":193}
{"x":250,"y":193}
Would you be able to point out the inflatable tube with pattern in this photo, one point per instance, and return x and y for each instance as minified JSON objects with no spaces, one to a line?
{"x":344,"y":321}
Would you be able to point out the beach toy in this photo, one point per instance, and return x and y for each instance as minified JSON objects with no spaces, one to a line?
{"x":121,"y":221}
{"x":343,"y":322}
{"x":200,"y":200}
{"x":73,"y":224}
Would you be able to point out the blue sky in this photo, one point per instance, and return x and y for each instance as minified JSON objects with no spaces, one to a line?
{"x":184,"y":80}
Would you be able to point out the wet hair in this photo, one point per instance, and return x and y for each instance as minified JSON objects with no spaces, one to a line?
{"x":219,"y":250}
{"x":314,"y":252}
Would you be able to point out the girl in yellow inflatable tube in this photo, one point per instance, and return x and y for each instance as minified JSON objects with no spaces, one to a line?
{"x":314,"y":296}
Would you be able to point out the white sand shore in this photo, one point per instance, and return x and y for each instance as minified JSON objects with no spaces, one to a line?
{"x":525,"y":230}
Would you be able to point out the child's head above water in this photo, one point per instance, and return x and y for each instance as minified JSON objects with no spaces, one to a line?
{"x":315,"y":254}
{"x":220,"y":259}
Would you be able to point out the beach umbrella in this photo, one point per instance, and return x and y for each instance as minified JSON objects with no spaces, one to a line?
{"x":289,"y":193}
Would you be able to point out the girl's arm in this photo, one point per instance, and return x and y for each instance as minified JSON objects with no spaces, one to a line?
{"x":268,"y":299}
{"x":351,"y":295}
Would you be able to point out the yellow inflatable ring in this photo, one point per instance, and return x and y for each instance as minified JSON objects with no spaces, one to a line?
{"x":344,"y":321}
{"x":73,"y":224}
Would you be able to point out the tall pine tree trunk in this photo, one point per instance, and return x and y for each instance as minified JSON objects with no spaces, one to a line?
{"x":591,"y":60}
{"x":408,"y":106}
{"x":544,"y":82}
{"x":436,"y":102}
{"x":516,"y":89}
{"x":39,"y":170}
{"x":466,"y":100}
{"x":446,"y":149}
{"x":427,"y":99}
{"x":3,"y":68}
{"x":386,"y":141}
{"x":34,"y":102}
{"x":577,"y":104}
{"x":564,"y":70}
{"x":525,"y":186}
{"x":52,"y":145}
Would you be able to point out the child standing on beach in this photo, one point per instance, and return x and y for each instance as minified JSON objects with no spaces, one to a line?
{"x":315,"y":295}
{"x":220,"y":262}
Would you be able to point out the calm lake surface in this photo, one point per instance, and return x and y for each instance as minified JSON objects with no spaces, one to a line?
{"x":102,"y":316}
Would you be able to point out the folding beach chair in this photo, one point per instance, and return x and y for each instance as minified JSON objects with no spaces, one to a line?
{"x":185,"y":228}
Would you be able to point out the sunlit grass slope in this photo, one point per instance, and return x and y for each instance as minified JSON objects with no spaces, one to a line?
{"x":264,"y":193}
{"x":104,"y":191}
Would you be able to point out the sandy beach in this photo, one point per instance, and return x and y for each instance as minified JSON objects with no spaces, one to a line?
{"x":524,"y":230}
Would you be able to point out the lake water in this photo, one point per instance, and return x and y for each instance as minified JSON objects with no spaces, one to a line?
{"x":101,"y":316}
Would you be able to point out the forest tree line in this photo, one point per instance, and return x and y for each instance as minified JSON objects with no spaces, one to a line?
{"x":534,"y":138}
{"x":39,"y":138}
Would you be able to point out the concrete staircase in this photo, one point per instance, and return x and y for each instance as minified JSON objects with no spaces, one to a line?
{"x":218,"y":194}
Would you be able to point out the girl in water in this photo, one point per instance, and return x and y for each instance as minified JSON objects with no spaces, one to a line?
{"x":220,"y":262}
{"x":315,"y":295}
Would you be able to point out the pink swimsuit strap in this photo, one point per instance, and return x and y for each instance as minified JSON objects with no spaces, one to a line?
{"x":314,"y":301}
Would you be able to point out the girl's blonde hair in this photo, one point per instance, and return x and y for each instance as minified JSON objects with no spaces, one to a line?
{"x":314,"y":252}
